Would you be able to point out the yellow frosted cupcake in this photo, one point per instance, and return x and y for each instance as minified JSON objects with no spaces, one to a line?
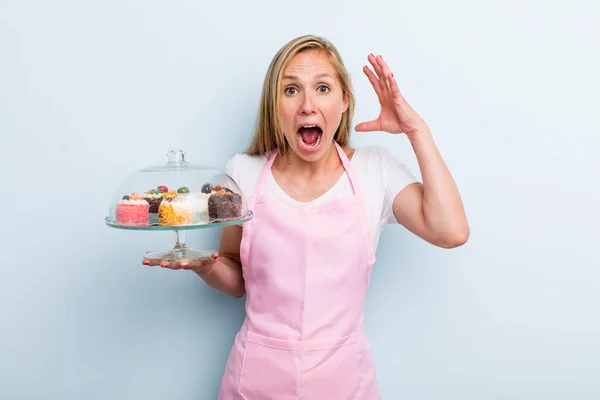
{"x":176,"y":208}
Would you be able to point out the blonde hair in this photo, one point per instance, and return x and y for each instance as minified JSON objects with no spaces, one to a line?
{"x":268,"y":134}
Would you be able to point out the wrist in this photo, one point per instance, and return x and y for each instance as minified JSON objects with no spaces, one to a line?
{"x":419,"y":134}
{"x":205,"y":271}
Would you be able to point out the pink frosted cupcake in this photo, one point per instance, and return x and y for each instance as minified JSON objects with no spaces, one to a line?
{"x":133,"y":210}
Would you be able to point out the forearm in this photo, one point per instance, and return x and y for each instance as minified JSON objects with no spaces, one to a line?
{"x":226,"y":276}
{"x":443,"y":211}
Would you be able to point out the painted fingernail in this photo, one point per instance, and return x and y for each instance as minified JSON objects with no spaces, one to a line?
{"x":372,"y":55}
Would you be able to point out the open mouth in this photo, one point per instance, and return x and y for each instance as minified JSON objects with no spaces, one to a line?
{"x":309,"y":137}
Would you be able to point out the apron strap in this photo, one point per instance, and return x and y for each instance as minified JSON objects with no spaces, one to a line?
{"x":349,"y":170}
{"x":262,"y":178}
{"x":343,"y":157}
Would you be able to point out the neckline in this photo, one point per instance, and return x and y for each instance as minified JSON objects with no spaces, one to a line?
{"x":345,"y":165}
{"x":282,"y":192}
{"x":357,"y":193}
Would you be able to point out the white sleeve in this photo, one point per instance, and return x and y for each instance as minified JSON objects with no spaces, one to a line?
{"x":243,"y":171}
{"x":232,"y":177}
{"x":396,"y":176}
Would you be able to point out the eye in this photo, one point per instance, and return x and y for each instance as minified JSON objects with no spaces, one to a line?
{"x":290,"y":90}
{"x":323,"y":89}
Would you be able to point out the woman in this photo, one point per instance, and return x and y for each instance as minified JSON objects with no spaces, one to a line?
{"x":304,"y":260}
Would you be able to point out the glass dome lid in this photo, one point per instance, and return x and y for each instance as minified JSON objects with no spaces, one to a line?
{"x":177,"y":196}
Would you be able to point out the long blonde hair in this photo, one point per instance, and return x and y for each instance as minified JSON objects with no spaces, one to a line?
{"x":268,"y":134}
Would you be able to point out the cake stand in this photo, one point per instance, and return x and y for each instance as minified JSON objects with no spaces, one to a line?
{"x":201,"y":197}
{"x":180,"y":252}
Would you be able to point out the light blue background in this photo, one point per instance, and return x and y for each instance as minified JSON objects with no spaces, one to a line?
{"x":92,"y":91}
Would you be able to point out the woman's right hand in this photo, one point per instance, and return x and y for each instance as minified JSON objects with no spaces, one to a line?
{"x":201,"y":267}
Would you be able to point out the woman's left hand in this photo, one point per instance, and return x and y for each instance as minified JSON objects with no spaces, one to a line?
{"x":396,"y":115}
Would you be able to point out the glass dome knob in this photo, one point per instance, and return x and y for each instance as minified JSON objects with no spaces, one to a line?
{"x":176,"y":156}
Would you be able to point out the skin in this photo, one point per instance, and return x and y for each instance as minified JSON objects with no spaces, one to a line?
{"x":432,"y":210}
{"x":312,"y":95}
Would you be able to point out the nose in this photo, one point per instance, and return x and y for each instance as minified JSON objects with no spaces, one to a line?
{"x":307,"y":106}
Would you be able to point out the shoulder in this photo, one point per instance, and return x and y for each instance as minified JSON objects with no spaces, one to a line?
{"x":375,"y":157}
{"x":241,"y":161}
{"x":371,"y":152}
{"x":383,"y":176}
{"x":244,"y":169}
{"x":380,"y":167}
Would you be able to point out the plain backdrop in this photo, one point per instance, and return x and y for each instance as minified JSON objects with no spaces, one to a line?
{"x":91,"y":92}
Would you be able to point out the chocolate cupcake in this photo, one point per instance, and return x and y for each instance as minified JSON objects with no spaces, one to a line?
{"x":154,"y":197}
{"x":223,"y":204}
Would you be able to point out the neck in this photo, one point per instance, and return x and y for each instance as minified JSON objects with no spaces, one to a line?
{"x":296,"y":165}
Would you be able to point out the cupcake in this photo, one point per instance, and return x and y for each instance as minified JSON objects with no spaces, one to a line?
{"x":200,"y":201}
{"x":176,"y":208}
{"x":154,"y":197}
{"x":132,"y":209}
{"x":224,"y":204}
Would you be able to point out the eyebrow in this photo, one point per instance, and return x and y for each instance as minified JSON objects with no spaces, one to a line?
{"x":318,"y":76}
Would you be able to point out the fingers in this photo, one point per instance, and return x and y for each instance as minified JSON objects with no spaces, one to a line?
{"x":187,"y":265}
{"x":374,"y":80}
{"x":170,"y":265}
{"x":385,"y":73}
{"x":394,"y":88}
{"x":195,"y":265}
{"x":373,"y":60}
{"x":384,"y":70}
{"x":369,"y":126}
{"x":385,"y":77}
{"x":164,"y":264}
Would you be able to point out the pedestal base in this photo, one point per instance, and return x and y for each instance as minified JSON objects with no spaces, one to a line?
{"x":179,"y":253}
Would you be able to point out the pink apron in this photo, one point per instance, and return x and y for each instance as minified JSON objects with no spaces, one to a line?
{"x":306,"y":271}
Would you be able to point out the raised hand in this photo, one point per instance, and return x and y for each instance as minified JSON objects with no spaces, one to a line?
{"x":396,"y":115}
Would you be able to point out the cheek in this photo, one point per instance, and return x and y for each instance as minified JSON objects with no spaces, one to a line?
{"x":334,"y":114}
{"x":286,"y":112}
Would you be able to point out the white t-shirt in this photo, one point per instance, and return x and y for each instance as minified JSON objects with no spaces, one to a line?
{"x":381,"y":176}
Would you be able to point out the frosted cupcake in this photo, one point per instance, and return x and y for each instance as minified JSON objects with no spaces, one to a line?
{"x":132,"y":210}
{"x":176,"y":208}
{"x":200,"y":201}
{"x":154,"y":197}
